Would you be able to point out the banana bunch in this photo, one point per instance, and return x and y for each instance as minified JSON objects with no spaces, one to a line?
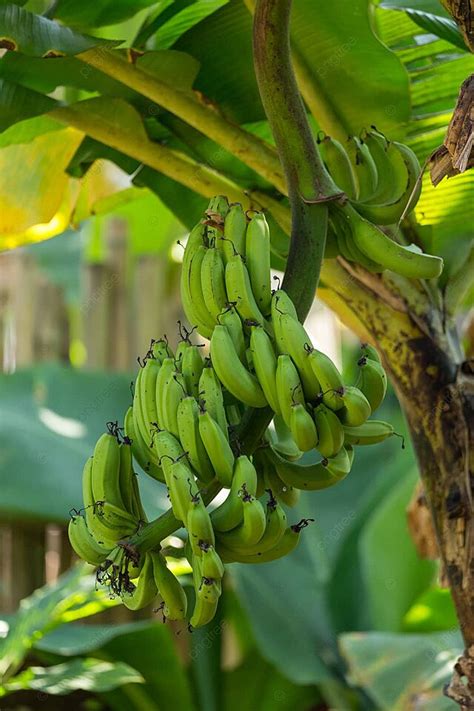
{"x":182,"y":427}
{"x":382,"y":181}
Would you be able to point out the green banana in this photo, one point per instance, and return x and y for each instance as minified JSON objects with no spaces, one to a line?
{"x":283,"y":440}
{"x":231,"y":320}
{"x":356,"y":408}
{"x":275,"y":527}
{"x":182,"y":488}
{"x":192,"y":365}
{"x":289,"y":387}
{"x":405,"y":261}
{"x":204,"y":611}
{"x":106,"y":470}
{"x":244,"y":481}
{"x":329,"y":378}
{"x":174,"y":391}
{"x":303,"y":428}
{"x":364,"y":168}
{"x":265,"y":364}
{"x":287,"y":543}
{"x":170,"y":589}
{"x":391,"y":169}
{"x":191,"y":292}
{"x":252,"y":528}
{"x":84,"y":544}
{"x":257,"y":256}
{"x":212,"y":565}
{"x":169,"y":449}
{"x":98,"y":530}
{"x":312,"y":477}
{"x":282,"y":304}
{"x":282,"y":492}
{"x":188,"y":427}
{"x":126,"y":476}
{"x":330,"y":432}
{"x":217,"y":447}
{"x":239,"y":290}
{"x":211,"y":395}
{"x":372,"y":381}
{"x":213,"y":282}
{"x":407,"y":188}
{"x":371,"y":432}
{"x":339,"y":166}
{"x":292,"y":339}
{"x":146,"y":457}
{"x":138,"y":596}
{"x":235,"y":227}
{"x":232,"y":373}
{"x":199,"y":525}
{"x":370,"y":352}
{"x":146,"y":391}
{"x":165,"y":373}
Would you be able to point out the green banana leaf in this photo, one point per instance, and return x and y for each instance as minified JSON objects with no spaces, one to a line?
{"x":148,"y":646}
{"x":77,"y":675}
{"x":431,"y":16}
{"x":40,"y":37}
{"x":72,"y":597}
{"x":344,"y":58}
{"x":89,"y":14}
{"x":18,"y":103}
{"x":183,"y":20}
{"x":389,"y":560}
{"x":51,"y":417}
{"x":403,"y":672}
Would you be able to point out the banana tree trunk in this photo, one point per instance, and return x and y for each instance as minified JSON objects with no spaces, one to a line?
{"x":436,"y":392}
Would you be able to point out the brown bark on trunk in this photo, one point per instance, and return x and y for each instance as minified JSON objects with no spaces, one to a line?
{"x":436,"y":392}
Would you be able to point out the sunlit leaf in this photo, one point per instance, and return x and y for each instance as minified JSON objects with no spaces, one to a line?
{"x":25,"y":131}
{"x":73,"y":595}
{"x":33,"y":183}
{"x":344,"y":58}
{"x":89,"y":675}
{"x":431,"y":17}
{"x":167,"y":34}
{"x":401,"y":672}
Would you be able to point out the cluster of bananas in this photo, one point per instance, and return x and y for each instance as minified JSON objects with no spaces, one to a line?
{"x":382,"y":182}
{"x":187,"y":413}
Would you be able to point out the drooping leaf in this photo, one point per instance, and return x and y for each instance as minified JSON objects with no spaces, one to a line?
{"x":343,"y":56}
{"x":152,"y":652}
{"x":402,"y":672}
{"x":256,"y":684}
{"x":433,"y":611}
{"x":389,"y":560}
{"x":88,"y":14}
{"x":431,"y":17}
{"x":25,"y":131}
{"x":77,"y":675}
{"x":171,"y":30}
{"x":51,"y":415}
{"x":34,"y":187}
{"x":18,"y":103}
{"x":38,"y":36}
{"x":73,"y":596}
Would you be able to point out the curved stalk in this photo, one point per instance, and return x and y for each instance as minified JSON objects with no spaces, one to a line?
{"x":250,"y":149}
{"x":309,"y":184}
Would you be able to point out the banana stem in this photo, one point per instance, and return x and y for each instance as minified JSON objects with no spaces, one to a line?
{"x":174,"y":164}
{"x":309,"y":184}
{"x":250,"y":149}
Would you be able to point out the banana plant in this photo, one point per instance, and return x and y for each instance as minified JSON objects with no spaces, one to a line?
{"x":178,"y":107}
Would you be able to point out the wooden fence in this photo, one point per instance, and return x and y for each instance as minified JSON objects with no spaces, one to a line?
{"x":121,"y":296}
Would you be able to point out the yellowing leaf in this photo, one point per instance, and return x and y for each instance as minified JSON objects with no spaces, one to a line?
{"x":34,"y":187}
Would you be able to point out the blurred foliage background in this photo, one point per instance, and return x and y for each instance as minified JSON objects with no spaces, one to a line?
{"x":355,"y":618}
